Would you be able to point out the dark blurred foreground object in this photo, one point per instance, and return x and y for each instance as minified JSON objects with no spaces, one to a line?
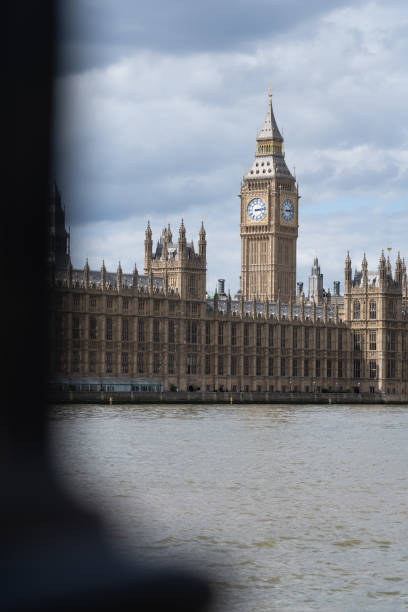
{"x":53,"y":554}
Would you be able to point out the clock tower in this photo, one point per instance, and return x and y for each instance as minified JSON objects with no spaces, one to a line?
{"x":269,"y":219}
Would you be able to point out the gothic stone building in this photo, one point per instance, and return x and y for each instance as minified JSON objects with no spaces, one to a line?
{"x":160,"y":331}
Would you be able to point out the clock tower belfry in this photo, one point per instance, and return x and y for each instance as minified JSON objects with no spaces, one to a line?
{"x":269,"y":219}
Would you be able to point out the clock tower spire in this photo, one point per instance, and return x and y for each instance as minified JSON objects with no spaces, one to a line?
{"x":269,"y":219}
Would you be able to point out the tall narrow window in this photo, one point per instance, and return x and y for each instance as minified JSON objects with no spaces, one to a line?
{"x":171,"y":333}
{"x":246,"y":334}
{"x":92,"y":361}
{"x":357,"y":368}
{"x":208,"y":333}
{"x":329,"y":340}
{"x":357,"y":341}
{"x":125,"y":303}
{"x":156,"y":363}
{"x":306,"y":367}
{"x":208,"y":364}
{"x":317,"y":338}
{"x":271,"y":332}
{"x":356,"y":310}
{"x":259,"y":335}
{"x":340,"y":340}
{"x":108,"y":362}
{"x":220,"y":365}
{"x":170,"y":363}
{"x":125,"y":330}
{"x":233,"y":334}
{"x":220,"y":334}
{"x":373,"y":341}
{"x":295,"y":367}
{"x":295,"y":337}
{"x":246,"y":366}
{"x":259,"y":366}
{"x":140,"y":363}
{"x":109,"y":329}
{"x":75,"y":361}
{"x":373,"y":369}
{"x":373,"y":309}
{"x":141,"y":330}
{"x":283,"y":366}
{"x":233,"y":365}
{"x":92,"y":328}
{"x":75,"y":328}
{"x":283,"y":337}
{"x":390,"y":368}
{"x":329,"y":368}
{"x":156,"y":330}
{"x":270,"y":366}
{"x":340,"y":368}
{"x":125,"y":363}
{"x":317,"y":368}
{"x":307,"y":335}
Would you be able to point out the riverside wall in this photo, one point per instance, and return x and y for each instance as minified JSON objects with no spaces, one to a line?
{"x":207,"y":397}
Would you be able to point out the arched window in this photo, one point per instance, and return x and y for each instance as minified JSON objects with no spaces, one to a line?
{"x":356,"y":310}
{"x":373,"y":310}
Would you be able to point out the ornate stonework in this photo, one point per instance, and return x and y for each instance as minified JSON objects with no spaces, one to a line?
{"x":160,"y":328}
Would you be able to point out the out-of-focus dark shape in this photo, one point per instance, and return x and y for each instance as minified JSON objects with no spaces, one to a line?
{"x":53,"y":554}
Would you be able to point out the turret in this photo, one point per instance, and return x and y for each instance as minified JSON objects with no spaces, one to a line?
{"x":135,"y":277}
{"x":347,"y":273}
{"x":398,"y":270}
{"x":388,"y":269}
{"x":182,"y":243}
{"x":364,"y":270}
{"x":202,"y":242}
{"x":119,"y":277}
{"x":148,"y":248}
{"x":103,"y":275}
{"x":381,"y":268}
{"x":165,"y":251}
{"x":404,"y":278}
{"x":69,"y":272}
{"x":86,"y":274}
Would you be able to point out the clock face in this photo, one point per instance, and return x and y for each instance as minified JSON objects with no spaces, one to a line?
{"x":287,"y":210}
{"x":257,"y":209}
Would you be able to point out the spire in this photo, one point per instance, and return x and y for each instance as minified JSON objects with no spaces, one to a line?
{"x":119,"y":277}
{"x":348,"y":260}
{"x":103,"y":274}
{"x":364,"y":270}
{"x":270,"y":130}
{"x":135,"y":277}
{"x":86,"y":274}
{"x":148,"y":232}
{"x":269,"y":155}
{"x":202,"y":243}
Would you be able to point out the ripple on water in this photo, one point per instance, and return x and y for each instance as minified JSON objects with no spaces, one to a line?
{"x":292,"y":509}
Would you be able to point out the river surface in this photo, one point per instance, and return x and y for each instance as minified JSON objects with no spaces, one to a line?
{"x":287,"y":508}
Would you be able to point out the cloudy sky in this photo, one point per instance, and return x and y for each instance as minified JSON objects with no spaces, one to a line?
{"x":158,"y":105}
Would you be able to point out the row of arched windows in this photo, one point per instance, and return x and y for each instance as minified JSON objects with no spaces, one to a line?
{"x":357,"y":310}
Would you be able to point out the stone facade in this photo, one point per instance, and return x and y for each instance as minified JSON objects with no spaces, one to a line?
{"x":161,"y":327}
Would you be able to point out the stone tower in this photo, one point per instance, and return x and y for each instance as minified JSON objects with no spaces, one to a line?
{"x":183,"y":269}
{"x":269,"y":219}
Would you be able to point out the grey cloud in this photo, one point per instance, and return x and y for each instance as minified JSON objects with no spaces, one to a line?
{"x":97,"y":33}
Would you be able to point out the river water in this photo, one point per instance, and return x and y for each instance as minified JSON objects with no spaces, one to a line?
{"x":292,"y":508}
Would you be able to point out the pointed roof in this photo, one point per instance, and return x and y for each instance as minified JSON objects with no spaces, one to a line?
{"x":269,"y":130}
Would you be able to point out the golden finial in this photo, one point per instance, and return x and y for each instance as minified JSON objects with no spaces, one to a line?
{"x":389,"y":249}
{"x":270,"y":89}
